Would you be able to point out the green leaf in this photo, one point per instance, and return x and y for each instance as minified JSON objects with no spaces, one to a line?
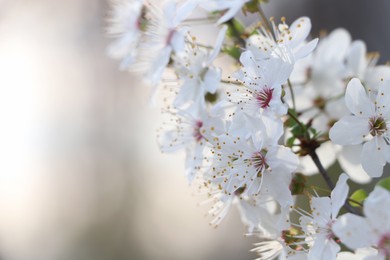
{"x":384,"y":183}
{"x":291,"y":122}
{"x":298,"y":131}
{"x":290,"y":141}
{"x":233,"y":51}
{"x":358,"y":196}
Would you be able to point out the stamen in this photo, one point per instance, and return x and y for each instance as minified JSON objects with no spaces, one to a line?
{"x":377,"y":126}
{"x":197,"y":134}
{"x":264,"y":97}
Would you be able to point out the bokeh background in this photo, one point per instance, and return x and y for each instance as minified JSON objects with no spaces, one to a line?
{"x":81,"y":177}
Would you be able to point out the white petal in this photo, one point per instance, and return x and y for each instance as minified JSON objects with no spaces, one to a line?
{"x":189,"y":91}
{"x":306,"y":49}
{"x":376,"y":209}
{"x":275,"y":71}
{"x":158,"y":66}
{"x":339,"y":194}
{"x":273,"y":129}
{"x":349,"y":130}
{"x":277,"y":185}
{"x":247,"y":60}
{"x":331,"y":250}
{"x":255,"y":216}
{"x":373,"y":158}
{"x":322,"y":208}
{"x":194,"y":160}
{"x":281,"y":158}
{"x":383,"y":100}
{"x":169,"y":8}
{"x":332,"y":49}
{"x":212,"y":79}
{"x":353,"y":231}
{"x":349,"y":159}
{"x":233,"y":9}
{"x":177,"y":40}
{"x":376,"y":75}
{"x":357,"y":100}
{"x":300,"y":29}
{"x":356,"y":58}
{"x":184,"y":11}
{"x":218,"y":45}
{"x":323,"y":249}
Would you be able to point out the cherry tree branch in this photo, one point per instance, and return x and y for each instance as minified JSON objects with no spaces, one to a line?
{"x":347,"y":206}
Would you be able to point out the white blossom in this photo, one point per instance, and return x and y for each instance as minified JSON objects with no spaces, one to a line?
{"x":286,"y":42}
{"x":258,"y":164}
{"x":371,"y":230}
{"x":317,"y":225}
{"x":194,"y":67}
{"x":187,"y":131}
{"x":369,"y":124}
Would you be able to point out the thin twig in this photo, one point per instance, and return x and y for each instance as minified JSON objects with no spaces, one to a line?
{"x":292,"y":94}
{"x":330,"y":183}
{"x":322,"y":170}
{"x":299,"y":123}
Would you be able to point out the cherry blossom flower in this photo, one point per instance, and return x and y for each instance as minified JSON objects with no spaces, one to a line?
{"x":371,"y":230}
{"x":195,"y":68}
{"x":317,"y":225}
{"x":126,"y":23}
{"x":259,"y":164}
{"x":165,"y":36}
{"x":286,"y":42}
{"x":369,"y":121}
{"x":262,"y":81}
{"x":187,"y":131}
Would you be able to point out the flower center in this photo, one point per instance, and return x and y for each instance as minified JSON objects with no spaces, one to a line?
{"x":196,"y":133}
{"x":377,"y":126}
{"x":320,"y":102}
{"x":264,"y":96}
{"x":259,"y":161}
{"x":384,"y":245}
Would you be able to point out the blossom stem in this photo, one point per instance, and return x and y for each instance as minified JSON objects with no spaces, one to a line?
{"x":330,"y":183}
{"x":292,"y":93}
{"x":321,"y":169}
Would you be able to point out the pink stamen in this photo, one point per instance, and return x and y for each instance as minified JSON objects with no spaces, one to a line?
{"x":264,"y":97}
{"x":197,"y":134}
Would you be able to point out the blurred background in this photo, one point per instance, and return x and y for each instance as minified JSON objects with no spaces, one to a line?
{"x":81,"y":177}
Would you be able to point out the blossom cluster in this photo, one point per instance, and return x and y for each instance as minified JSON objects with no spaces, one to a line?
{"x":281,"y":107}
